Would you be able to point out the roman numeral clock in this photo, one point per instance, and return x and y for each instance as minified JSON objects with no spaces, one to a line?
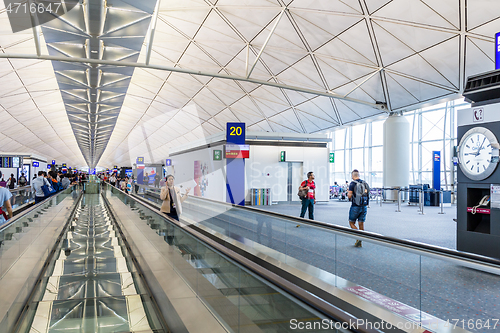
{"x":478,"y":153}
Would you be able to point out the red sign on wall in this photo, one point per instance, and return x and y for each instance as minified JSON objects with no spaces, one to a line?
{"x":237,"y":151}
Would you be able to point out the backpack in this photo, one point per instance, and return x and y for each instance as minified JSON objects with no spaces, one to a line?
{"x":303,"y":193}
{"x":362,"y":191}
{"x":22,"y":180}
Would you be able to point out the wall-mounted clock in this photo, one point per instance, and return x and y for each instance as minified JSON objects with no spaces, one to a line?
{"x":478,"y":153}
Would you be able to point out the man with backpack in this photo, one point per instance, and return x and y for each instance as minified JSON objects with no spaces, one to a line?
{"x":359,"y":194}
{"x":22,"y":180}
{"x":308,"y":188}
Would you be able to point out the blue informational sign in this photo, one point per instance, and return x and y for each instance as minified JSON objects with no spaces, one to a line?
{"x":235,"y":167}
{"x":92,"y":171}
{"x":497,"y":50}
{"x":235,"y":133}
{"x":436,"y":170}
{"x":168,"y":162}
{"x":49,"y":166}
{"x":53,"y":162}
{"x":36,"y":164}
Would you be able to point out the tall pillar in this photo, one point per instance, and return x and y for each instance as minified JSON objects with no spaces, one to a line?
{"x":396,"y":161}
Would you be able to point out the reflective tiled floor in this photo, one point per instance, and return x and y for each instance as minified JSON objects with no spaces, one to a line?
{"x":91,"y":286}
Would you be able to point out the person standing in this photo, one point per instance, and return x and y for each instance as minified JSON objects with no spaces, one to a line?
{"x":22,"y":180}
{"x":11,"y":182}
{"x":172,"y":199}
{"x":37,"y":184}
{"x":359,"y":194}
{"x":157,"y":180}
{"x":5,"y":205}
{"x":309,"y":201}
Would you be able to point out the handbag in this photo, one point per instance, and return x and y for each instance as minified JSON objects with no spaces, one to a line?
{"x":3,"y":213}
{"x":302,"y":193}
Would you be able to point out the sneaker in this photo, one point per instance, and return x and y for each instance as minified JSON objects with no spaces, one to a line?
{"x":358,"y":243}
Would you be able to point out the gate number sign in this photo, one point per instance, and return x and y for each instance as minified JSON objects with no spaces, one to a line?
{"x":235,"y":133}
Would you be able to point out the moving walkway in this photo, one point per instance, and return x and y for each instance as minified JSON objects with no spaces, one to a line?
{"x":81,"y":262}
{"x":399,"y":281}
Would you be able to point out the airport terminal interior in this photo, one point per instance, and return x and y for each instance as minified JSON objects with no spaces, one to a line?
{"x":249,"y":166}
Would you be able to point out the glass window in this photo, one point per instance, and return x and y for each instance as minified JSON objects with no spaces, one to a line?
{"x":340,"y":139}
{"x":378,"y":133}
{"x":357,"y":159}
{"x":433,"y":125}
{"x":377,"y":159}
{"x":339,"y":161}
{"x":358,"y":136}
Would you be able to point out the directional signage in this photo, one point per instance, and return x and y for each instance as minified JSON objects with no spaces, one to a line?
{"x":217,"y":155}
{"x":283,"y":156}
{"x":140,"y":163}
{"x":168,"y":162}
{"x":237,"y":151}
{"x":332,"y":157}
{"x":36,"y":164}
{"x":53,"y":162}
{"x":235,"y":133}
{"x":497,"y":50}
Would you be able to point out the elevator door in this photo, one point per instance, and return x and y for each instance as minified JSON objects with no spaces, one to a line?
{"x":295,"y":177}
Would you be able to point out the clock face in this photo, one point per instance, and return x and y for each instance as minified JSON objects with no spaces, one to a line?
{"x":478,"y":153}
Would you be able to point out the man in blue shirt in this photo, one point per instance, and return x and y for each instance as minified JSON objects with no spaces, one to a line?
{"x":6,"y":207}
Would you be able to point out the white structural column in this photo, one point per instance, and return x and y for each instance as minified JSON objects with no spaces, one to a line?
{"x":396,"y":154}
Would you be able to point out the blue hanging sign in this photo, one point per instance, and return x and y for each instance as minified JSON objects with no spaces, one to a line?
{"x":436,"y":170}
{"x":53,"y":162}
{"x":235,"y":133}
{"x":497,"y":50}
{"x":36,"y":164}
{"x":168,"y":162}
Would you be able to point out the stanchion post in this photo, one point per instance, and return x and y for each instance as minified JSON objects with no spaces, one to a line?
{"x":422,"y":203}
{"x":399,"y":200}
{"x":441,"y":196}
{"x":381,"y":196}
{"x":419,"y":200}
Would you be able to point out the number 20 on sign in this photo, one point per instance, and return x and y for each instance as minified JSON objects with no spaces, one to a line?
{"x":235,"y":133}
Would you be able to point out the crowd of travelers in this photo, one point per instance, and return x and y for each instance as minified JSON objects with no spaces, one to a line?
{"x":47,"y":184}
{"x":43,"y":185}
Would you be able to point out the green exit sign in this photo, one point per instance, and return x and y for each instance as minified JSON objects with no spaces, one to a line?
{"x":332,"y":157}
{"x":217,"y":155}
{"x":283,"y":156}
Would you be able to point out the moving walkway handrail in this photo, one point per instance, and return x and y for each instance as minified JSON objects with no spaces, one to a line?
{"x":318,"y":303}
{"x":13,"y":219}
{"x":470,"y":260}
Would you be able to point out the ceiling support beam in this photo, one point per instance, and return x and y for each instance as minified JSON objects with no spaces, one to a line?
{"x":463,"y":38}
{"x":378,"y":55}
{"x":266,"y":42}
{"x":192,"y":72}
{"x":152,"y":32}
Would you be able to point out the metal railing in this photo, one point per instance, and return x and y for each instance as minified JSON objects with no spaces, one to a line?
{"x":379,"y":197}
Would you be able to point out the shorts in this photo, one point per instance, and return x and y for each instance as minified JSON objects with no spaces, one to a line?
{"x":357,"y":213}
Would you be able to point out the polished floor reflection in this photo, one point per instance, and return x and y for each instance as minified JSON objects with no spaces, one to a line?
{"x":92,"y":287}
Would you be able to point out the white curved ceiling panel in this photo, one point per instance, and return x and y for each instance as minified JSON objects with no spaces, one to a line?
{"x":332,"y":63}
